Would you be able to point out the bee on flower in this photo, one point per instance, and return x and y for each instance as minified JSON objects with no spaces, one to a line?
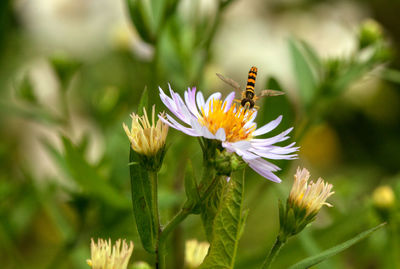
{"x":231,"y":125}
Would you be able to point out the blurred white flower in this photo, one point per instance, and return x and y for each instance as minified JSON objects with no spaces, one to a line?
{"x":195,"y":252}
{"x":104,"y":255}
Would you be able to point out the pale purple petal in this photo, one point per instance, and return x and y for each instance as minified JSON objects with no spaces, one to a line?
{"x":190,"y":99}
{"x":263,"y":171}
{"x":174,"y":106}
{"x":268,"y":127}
{"x":174,"y":124}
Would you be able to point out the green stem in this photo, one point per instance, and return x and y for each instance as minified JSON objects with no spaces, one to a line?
{"x":183,"y":213}
{"x":154,"y":209}
{"x":279,"y":243}
{"x":181,"y":216}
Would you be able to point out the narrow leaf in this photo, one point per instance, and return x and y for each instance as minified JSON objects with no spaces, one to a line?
{"x":228,"y":226}
{"x":142,"y":204}
{"x":143,"y":102}
{"x":303,"y":72}
{"x":313,"y":58}
{"x":141,"y":19}
{"x":310,"y":261}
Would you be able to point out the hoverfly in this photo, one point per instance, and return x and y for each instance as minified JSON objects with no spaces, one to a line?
{"x":248,"y":95}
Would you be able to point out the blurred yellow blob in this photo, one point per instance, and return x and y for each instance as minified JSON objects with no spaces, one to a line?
{"x":320,"y":146}
{"x":195,"y":252}
{"x":383,"y":197}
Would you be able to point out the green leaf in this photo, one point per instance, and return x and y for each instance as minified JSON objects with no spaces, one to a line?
{"x":304,"y":74}
{"x":142,"y":203}
{"x":308,"y":262}
{"x":277,"y":105}
{"x":65,"y":68}
{"x":210,"y":205}
{"x":354,"y":72}
{"x":228,"y":225}
{"x":26,"y":91}
{"x":88,"y":179}
{"x":313,"y":58}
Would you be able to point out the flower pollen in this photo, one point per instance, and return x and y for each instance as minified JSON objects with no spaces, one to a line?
{"x":233,"y":121}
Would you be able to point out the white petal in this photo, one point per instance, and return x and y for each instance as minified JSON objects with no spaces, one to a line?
{"x":200,"y":100}
{"x":202,"y":130}
{"x":229,"y":99}
{"x":220,"y":134}
{"x":272,"y":140}
{"x":214,"y":96}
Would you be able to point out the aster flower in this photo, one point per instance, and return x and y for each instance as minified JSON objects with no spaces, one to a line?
{"x":232,"y":125}
{"x":104,"y":255}
{"x":146,"y":138}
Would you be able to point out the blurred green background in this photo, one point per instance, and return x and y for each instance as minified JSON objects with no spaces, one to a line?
{"x":72,"y":71}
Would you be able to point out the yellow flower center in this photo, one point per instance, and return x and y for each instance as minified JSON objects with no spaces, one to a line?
{"x":232,"y":121}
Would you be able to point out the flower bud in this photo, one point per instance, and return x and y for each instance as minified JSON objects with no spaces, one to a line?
{"x":383,"y":197}
{"x":370,"y":33}
{"x":148,"y":139}
{"x":304,"y":202}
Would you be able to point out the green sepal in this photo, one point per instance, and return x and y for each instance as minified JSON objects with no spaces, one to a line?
{"x":142,"y":203}
{"x":290,"y":223}
{"x":192,"y":192}
{"x":311,"y":261}
{"x":228,"y":225}
{"x":153,"y":163}
{"x":281,"y":214}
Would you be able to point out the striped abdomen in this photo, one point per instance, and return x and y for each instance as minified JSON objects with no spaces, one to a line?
{"x":251,"y":81}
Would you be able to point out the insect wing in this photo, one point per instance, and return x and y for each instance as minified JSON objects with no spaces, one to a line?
{"x":229,"y":81}
{"x":271,"y":93}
